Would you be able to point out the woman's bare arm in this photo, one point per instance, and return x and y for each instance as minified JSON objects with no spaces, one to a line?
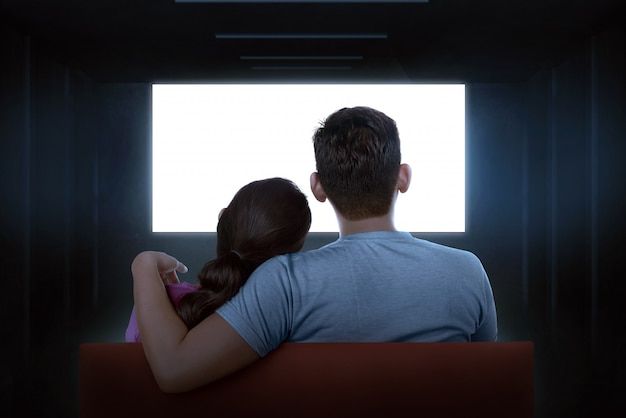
{"x":181,"y":360}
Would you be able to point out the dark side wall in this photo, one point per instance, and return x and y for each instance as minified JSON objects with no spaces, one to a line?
{"x":545,"y":198}
{"x":48,"y":234}
{"x":575,"y":150}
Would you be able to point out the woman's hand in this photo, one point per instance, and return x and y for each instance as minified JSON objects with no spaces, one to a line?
{"x":166,"y":265}
{"x":181,"y":359}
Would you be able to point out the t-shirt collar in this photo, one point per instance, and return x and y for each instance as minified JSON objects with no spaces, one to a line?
{"x":376,"y":235}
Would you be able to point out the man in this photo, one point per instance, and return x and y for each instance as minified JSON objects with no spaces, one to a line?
{"x":373,"y":284}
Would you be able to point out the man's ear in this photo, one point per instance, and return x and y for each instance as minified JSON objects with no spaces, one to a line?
{"x":404,"y":178}
{"x":316,"y":187}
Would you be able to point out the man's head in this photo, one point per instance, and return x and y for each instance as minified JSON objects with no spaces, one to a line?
{"x":357,"y":153}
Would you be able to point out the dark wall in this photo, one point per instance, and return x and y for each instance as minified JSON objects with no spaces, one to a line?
{"x":48,"y":231}
{"x":545,"y":198}
{"x":576,"y":141}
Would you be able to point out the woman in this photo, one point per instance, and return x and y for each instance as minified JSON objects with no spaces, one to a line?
{"x":266,"y":218}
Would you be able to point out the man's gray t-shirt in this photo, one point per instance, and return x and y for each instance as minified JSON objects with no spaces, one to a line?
{"x":381,"y":286}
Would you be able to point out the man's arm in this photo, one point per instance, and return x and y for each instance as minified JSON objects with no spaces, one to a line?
{"x":181,"y":359}
{"x":488,"y":327}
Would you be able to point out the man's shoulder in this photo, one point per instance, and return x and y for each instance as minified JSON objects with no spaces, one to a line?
{"x":286,"y":263}
{"x":408,"y":242}
{"x":449,"y":251}
{"x":337,"y":255}
{"x":292,"y":264}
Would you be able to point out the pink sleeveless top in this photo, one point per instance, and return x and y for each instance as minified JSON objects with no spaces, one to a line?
{"x":175,"y":293}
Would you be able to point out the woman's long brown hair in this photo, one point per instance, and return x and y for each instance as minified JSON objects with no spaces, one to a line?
{"x":266,"y":218}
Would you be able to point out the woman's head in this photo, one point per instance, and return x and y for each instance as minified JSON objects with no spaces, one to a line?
{"x":265,"y":218}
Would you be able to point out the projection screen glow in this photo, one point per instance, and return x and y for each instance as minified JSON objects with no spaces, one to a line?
{"x":208,"y":140}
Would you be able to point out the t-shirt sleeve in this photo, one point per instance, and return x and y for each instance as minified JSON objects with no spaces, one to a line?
{"x":488,"y":324}
{"x":261,"y":312}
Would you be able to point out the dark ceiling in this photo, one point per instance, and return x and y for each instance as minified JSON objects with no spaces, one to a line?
{"x":442,"y":40}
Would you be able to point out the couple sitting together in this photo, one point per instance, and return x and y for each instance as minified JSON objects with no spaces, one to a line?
{"x":374,"y":284}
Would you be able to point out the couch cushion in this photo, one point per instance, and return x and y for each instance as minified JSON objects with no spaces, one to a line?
{"x":323,"y":380}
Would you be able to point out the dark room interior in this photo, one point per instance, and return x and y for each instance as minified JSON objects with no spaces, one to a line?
{"x":545,"y":163}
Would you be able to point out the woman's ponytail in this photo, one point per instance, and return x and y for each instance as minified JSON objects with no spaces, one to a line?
{"x":220,"y":279}
{"x":266,"y":218}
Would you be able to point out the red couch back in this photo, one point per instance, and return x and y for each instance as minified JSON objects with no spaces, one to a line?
{"x":323,"y":380}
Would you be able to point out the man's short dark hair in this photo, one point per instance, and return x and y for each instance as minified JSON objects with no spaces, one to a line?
{"x":357,"y":152}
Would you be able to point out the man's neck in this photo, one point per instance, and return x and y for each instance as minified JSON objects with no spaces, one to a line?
{"x":382,"y":223}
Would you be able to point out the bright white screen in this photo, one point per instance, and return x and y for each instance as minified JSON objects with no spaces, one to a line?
{"x":208,"y":140}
